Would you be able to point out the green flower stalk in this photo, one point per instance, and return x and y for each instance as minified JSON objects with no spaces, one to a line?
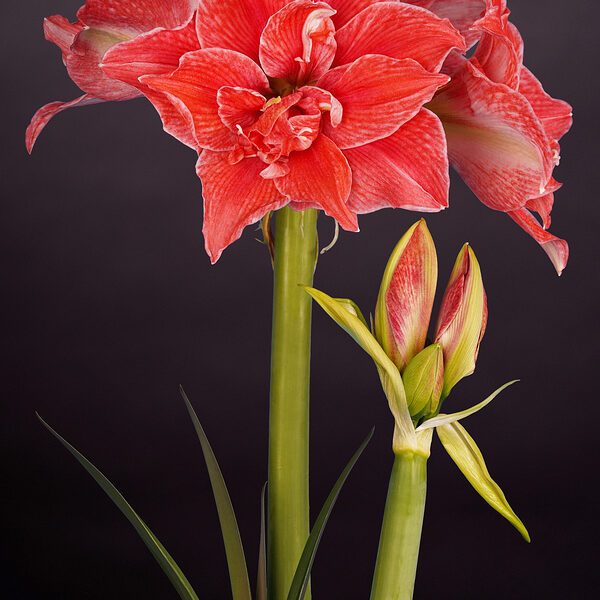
{"x":416,"y":379}
{"x":288,"y":507}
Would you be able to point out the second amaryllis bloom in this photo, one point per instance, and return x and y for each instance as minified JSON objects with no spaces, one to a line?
{"x":166,"y":28}
{"x":502,"y":128}
{"x":313,"y":104}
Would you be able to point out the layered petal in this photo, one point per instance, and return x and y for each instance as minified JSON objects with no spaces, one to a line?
{"x":155,"y":53}
{"x":235,"y":195}
{"x":462,"y":13}
{"x":195,"y":85}
{"x":378,"y":95}
{"x":462,"y":319}
{"x":556,"y":249}
{"x":500,"y":55}
{"x":495,"y":140}
{"x":60,"y":31}
{"x":235,"y":24}
{"x":131,"y":17}
{"x":389,"y":28}
{"x":406,"y":296}
{"x":298,"y":43}
{"x":346,"y":9}
{"x":415,"y":163}
{"x":43,"y":116}
{"x":320,"y":176}
{"x":556,"y":115}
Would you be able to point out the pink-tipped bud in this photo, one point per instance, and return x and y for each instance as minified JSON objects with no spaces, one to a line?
{"x":462,"y":319}
{"x":406,"y":296}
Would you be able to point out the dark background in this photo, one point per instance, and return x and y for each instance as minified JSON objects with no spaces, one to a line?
{"x":109,"y":302}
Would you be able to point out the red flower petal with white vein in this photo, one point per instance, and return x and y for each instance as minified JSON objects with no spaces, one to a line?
{"x":389,"y":28}
{"x":556,"y":249}
{"x":196,"y":83}
{"x":320,"y":176}
{"x":495,"y":141}
{"x":234,"y":196}
{"x":235,"y":24}
{"x":43,"y":115}
{"x":378,"y":95}
{"x":131,"y":17}
{"x":346,"y":9}
{"x":556,"y":115}
{"x":154,"y":53}
{"x":298,"y":44}
{"x":408,"y":169}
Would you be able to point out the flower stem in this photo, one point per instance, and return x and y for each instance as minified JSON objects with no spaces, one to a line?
{"x":398,"y":553}
{"x":289,"y":520}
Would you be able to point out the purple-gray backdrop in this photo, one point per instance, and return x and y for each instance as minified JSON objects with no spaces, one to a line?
{"x":109,"y":302}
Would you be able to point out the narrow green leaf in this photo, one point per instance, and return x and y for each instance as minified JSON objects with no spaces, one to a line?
{"x":261,"y":578}
{"x":464,"y":452}
{"x":302,"y":575}
{"x":168,"y":565}
{"x":234,"y":550}
{"x":442,"y":419}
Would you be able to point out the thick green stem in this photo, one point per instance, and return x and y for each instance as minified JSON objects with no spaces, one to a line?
{"x":396,"y":566}
{"x":289,"y":520}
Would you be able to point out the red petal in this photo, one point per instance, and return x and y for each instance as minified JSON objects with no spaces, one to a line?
{"x":500,"y":55}
{"x":234,"y":196}
{"x":196,"y":82}
{"x":130,"y":17}
{"x":346,"y":9}
{"x":43,"y":115}
{"x":153,"y":53}
{"x":461,"y":13}
{"x":321,"y":176}
{"x":378,"y":95}
{"x":235,"y":24}
{"x":239,"y":107}
{"x":298,"y":43}
{"x":495,"y":141}
{"x":556,"y":115}
{"x":389,"y":28}
{"x":556,"y":249}
{"x":60,"y":31}
{"x":543,"y":206}
{"x":408,"y":169}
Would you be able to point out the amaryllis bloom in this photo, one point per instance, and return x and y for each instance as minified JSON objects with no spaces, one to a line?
{"x":502,"y":128}
{"x":311,"y":104}
{"x":167,"y":28}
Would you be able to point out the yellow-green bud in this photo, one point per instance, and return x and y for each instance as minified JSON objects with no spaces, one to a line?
{"x":424,"y":381}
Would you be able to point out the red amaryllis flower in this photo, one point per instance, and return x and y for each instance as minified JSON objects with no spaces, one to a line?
{"x":166,"y":27}
{"x":502,"y":127}
{"x":311,"y":104}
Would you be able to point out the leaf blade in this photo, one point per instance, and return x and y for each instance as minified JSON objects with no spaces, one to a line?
{"x":443,"y":419}
{"x":302,"y":575}
{"x":162,"y":557}
{"x":468,"y":458}
{"x":261,"y":578}
{"x":234,"y":550}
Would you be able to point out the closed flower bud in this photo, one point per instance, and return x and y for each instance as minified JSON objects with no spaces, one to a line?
{"x":462,"y":320}
{"x":406,"y":296}
{"x":424,"y":381}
